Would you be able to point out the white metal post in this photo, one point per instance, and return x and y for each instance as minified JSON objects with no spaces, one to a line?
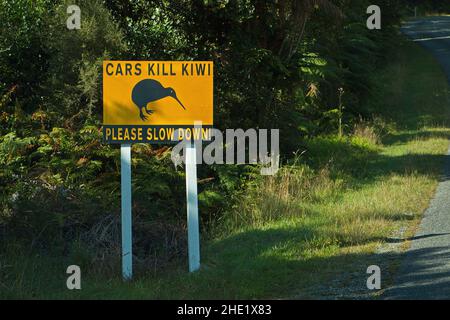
{"x":192,"y":208}
{"x":127,"y":254}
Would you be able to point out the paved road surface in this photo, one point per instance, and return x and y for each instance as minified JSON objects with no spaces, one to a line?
{"x":425,"y":269}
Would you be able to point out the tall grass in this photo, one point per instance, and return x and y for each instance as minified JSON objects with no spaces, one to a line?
{"x":282,"y":196}
{"x":297,"y":186}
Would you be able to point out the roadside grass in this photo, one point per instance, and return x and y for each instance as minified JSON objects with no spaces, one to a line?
{"x":434,"y":14}
{"x":312,"y":230}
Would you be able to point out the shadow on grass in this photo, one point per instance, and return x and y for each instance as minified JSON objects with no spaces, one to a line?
{"x":269,"y":263}
{"x":407,"y":136}
{"x":361,"y":165}
{"x":247,"y":269}
{"x":427,"y":236}
{"x":245,"y":266}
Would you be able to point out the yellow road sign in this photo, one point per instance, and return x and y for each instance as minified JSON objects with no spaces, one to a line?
{"x":145,"y":101}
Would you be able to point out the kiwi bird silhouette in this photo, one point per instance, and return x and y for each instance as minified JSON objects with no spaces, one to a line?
{"x":149,"y":90}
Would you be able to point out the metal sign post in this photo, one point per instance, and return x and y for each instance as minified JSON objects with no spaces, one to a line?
{"x":192,"y":207}
{"x":125,"y":173}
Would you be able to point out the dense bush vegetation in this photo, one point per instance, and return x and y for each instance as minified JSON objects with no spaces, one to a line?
{"x":282,"y":64}
{"x":428,"y":6}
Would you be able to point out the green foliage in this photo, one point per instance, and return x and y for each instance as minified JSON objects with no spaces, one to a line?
{"x":74,"y":74}
{"x":277,"y":65}
{"x":24,"y":26}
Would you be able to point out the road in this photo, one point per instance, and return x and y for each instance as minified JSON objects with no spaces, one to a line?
{"x":424,"y":272}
